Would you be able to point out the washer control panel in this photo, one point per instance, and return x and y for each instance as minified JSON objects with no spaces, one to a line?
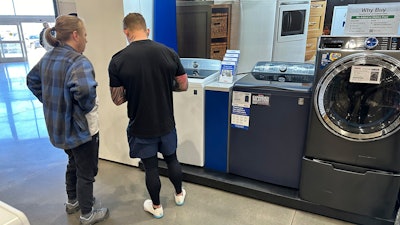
{"x":283,"y":68}
{"x":284,"y":71}
{"x":360,"y":43}
{"x":371,"y":42}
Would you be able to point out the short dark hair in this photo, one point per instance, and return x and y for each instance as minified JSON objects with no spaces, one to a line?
{"x":134,"y":21}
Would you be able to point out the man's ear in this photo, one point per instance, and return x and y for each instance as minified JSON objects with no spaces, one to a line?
{"x":126,"y":32}
{"x":75,"y":35}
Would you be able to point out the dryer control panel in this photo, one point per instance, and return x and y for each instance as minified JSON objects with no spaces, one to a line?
{"x":359,"y":43}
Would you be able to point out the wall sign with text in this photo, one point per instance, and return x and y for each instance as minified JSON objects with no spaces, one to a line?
{"x":377,"y":19}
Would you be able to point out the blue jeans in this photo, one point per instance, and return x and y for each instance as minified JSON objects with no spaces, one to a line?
{"x":81,"y":169}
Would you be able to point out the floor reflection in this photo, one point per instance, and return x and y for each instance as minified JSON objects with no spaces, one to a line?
{"x":21,"y":114}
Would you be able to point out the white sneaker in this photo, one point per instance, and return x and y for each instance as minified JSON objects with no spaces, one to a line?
{"x":148,"y":207}
{"x":180,"y":199}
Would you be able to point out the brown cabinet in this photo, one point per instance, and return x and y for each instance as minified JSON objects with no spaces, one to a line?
{"x":220,"y":30}
{"x":193,"y":24}
{"x":203,"y":29}
{"x":315,"y":27}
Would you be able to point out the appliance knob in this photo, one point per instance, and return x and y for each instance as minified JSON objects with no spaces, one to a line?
{"x":371,"y":43}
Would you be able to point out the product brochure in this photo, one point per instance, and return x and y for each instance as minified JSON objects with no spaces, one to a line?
{"x":229,"y":66}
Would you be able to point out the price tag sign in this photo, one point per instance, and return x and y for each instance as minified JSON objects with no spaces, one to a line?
{"x":240,"y":115}
{"x":366,"y":74}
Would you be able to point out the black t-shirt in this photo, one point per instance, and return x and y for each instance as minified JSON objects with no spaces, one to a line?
{"x":147,"y":69}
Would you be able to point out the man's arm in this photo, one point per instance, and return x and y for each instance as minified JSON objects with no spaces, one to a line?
{"x":82,"y":85}
{"x":34,"y":82}
{"x":118,"y":95}
{"x":181,"y":83}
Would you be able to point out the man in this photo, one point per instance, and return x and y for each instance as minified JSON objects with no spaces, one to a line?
{"x":42,"y":37}
{"x":145,"y":74}
{"x":63,"y":80}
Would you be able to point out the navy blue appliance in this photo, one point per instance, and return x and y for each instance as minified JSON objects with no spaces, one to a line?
{"x":269,"y":117}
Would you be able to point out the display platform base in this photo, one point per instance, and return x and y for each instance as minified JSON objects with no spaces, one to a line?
{"x":275,"y":194}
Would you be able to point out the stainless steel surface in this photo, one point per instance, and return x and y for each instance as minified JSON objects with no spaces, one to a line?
{"x":285,"y":75}
{"x":352,"y":51}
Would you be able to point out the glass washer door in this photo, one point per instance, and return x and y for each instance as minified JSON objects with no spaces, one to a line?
{"x":359,"y":111}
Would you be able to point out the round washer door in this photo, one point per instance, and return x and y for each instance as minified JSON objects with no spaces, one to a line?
{"x":360,"y":111}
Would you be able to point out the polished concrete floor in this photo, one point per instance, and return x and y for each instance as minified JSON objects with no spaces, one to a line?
{"x":32,"y":177}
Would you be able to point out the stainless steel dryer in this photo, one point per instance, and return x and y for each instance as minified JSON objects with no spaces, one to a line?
{"x":352,"y":156}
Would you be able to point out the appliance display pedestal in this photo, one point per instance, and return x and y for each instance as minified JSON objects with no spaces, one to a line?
{"x":275,"y":194}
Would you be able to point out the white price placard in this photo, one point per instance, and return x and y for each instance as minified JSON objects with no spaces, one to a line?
{"x":366,"y":74}
{"x":240,"y":115}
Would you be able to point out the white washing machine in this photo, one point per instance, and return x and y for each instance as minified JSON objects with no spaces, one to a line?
{"x":189,"y":109}
{"x":12,"y":216}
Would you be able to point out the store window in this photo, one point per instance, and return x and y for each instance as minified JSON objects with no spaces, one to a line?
{"x":20,"y":24}
{"x":7,"y":7}
{"x":37,"y":7}
{"x":26,"y":7}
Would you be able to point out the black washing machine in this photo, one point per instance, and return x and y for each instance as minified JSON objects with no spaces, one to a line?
{"x":269,"y":118}
{"x":352,"y":156}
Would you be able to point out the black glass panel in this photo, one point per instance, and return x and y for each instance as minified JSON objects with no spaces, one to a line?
{"x":283,"y":77}
{"x":362,"y":108}
{"x":293,"y":22}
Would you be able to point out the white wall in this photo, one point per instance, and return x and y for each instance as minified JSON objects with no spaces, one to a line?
{"x":66,"y":7}
{"x":257,"y":27}
{"x":103,"y":20}
{"x":144,"y":7}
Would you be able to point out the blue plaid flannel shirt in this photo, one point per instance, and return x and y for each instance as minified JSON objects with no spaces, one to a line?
{"x":64,"y":81}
